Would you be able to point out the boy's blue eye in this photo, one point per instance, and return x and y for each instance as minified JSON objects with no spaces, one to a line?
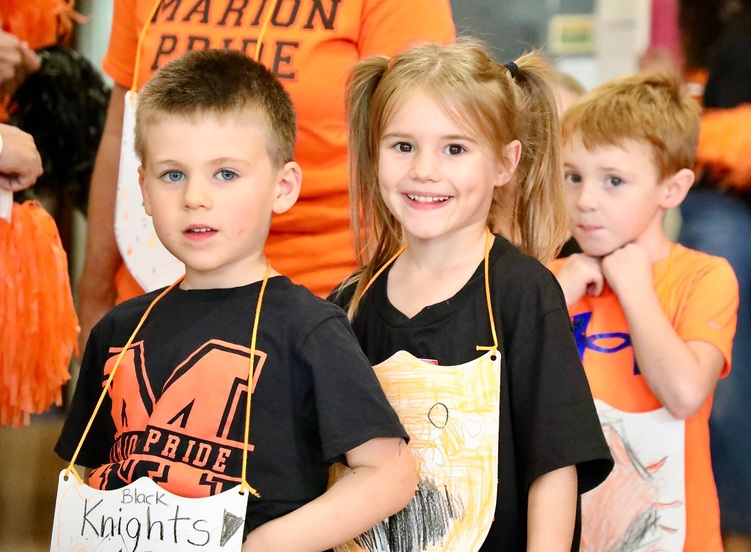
{"x":454,"y":149}
{"x":614,"y":181}
{"x":226,"y":174}
{"x":403,"y":147}
{"x":173,"y":176}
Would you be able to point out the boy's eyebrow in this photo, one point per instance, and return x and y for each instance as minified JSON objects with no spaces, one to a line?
{"x":157,"y":162}
{"x":568,"y":164}
{"x":217,"y":161}
{"x":222,"y":160}
{"x":614,"y":169}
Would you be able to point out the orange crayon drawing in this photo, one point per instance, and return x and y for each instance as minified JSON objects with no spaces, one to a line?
{"x":624,"y":513}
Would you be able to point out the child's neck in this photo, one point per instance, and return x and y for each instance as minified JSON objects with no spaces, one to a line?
{"x":244,"y":275}
{"x":432,"y":271}
{"x":656,"y":241}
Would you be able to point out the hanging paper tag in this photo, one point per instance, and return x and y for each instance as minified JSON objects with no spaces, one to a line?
{"x":143,"y":516}
{"x":6,"y":204}
{"x":147,"y":260}
{"x":642,"y":503}
{"x":452,"y":414}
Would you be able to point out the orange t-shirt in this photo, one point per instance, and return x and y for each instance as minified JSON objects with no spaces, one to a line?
{"x":700,"y":295}
{"x":310,"y":46}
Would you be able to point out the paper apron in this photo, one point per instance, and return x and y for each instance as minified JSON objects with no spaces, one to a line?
{"x":641,"y":506}
{"x":452,"y":415}
{"x":148,"y":261}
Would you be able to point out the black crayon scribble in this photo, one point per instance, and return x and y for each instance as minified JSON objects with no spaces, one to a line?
{"x":424,"y":522}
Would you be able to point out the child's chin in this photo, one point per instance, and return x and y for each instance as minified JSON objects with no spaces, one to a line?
{"x":603,"y":251}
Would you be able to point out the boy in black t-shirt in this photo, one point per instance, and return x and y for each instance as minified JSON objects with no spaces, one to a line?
{"x":215,"y":132}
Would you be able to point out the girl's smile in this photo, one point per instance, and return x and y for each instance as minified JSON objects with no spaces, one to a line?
{"x":436,"y":176}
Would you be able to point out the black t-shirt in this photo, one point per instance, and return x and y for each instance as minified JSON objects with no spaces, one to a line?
{"x":569,"y":248}
{"x":185,"y":380}
{"x":548,"y":419}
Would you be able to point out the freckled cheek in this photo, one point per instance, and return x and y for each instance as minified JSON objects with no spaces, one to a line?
{"x":166,"y":231}
{"x":246,"y":224}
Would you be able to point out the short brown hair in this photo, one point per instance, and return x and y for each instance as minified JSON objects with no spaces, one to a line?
{"x":219,"y":82}
{"x":647,"y":107}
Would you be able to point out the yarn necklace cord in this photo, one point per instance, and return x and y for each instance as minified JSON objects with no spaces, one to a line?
{"x":380,"y":270}
{"x":107,"y":385}
{"x":262,"y":32}
{"x":244,"y":486}
{"x":488,"y":246}
{"x":486,"y":263}
{"x":152,"y":14}
{"x":139,"y":49}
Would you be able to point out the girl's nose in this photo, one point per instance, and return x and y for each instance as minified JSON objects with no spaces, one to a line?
{"x":425,"y":166}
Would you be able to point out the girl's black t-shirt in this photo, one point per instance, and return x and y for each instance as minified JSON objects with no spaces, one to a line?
{"x":548,"y":419}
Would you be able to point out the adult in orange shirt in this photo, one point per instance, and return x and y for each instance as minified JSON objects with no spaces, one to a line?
{"x":310,"y":46}
{"x":653,"y":320}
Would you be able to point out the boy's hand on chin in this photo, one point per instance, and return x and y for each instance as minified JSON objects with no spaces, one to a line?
{"x":580,"y":275}
{"x":628,"y":269}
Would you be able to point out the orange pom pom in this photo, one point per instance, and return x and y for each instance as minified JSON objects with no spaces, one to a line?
{"x":39,"y":332}
{"x":724,"y":146}
{"x":40,"y":23}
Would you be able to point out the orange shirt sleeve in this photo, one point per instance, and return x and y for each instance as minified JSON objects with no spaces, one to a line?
{"x":709,"y":311}
{"x":119,"y":60}
{"x":391,"y":26}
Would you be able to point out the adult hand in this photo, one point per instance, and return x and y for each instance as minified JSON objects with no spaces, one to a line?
{"x":17,"y":61}
{"x":20,"y":163}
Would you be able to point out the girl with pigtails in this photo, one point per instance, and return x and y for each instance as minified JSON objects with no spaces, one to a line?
{"x":457,"y":200}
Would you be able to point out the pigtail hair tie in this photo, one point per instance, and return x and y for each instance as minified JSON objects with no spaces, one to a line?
{"x":513,"y":68}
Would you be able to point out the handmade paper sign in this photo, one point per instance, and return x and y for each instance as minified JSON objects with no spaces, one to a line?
{"x":646,"y":488}
{"x":147,"y":260}
{"x":452,"y":416}
{"x":144,"y":517}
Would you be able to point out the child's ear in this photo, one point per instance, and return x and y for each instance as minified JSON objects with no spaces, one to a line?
{"x":676,"y":187}
{"x":287,"y":187}
{"x":144,"y":191}
{"x":510,"y":156}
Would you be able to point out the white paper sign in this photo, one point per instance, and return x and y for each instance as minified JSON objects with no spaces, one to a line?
{"x":147,"y":260}
{"x":621,"y":36}
{"x":452,"y":415}
{"x":144,"y":517}
{"x":641,"y":506}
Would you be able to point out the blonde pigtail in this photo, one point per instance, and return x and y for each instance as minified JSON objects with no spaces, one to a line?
{"x":538,"y":224}
{"x":374,"y":229}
